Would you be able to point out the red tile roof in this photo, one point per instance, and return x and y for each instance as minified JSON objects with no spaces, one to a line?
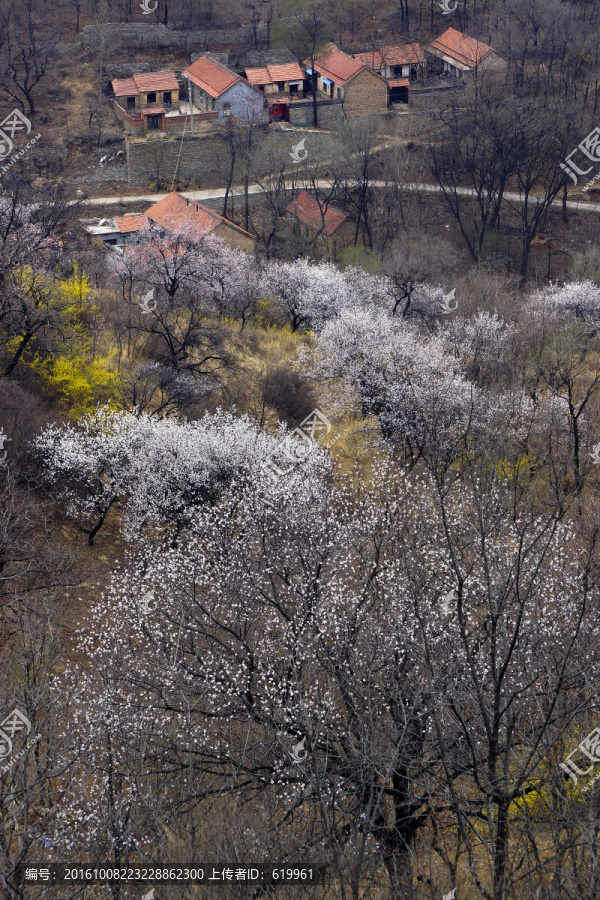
{"x":398,"y":82}
{"x":211,"y":77}
{"x":271,"y":74}
{"x":407,"y":55}
{"x":286,"y":72}
{"x":129,"y":224}
{"x":124,"y":87}
{"x":142,"y":83}
{"x":465,"y":50}
{"x":306,"y":208}
{"x":337,"y":66}
{"x":175,"y":211}
{"x":258,"y":76}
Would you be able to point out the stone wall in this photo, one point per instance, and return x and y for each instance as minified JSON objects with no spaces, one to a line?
{"x":330,"y":113}
{"x":148,"y":36}
{"x":192,"y":159}
{"x":366,"y":94}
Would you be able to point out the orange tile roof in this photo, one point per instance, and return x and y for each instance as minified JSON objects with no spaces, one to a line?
{"x":465,"y":50}
{"x":372,"y":59}
{"x":272,"y":74}
{"x":131,"y":223}
{"x":306,"y":208}
{"x":337,"y":66}
{"x":124,"y":87}
{"x":210,"y":76}
{"x":142,"y":83}
{"x":398,"y":82}
{"x":409,"y":54}
{"x":175,"y":211}
{"x":258,"y":76}
{"x":286,"y":72}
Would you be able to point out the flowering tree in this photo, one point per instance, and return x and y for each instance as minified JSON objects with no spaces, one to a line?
{"x":580,"y":299}
{"x":158,"y":470}
{"x":417,"y":390}
{"x":481,"y":342}
{"x":32,"y":309}
{"x":188,"y":279}
{"x":310,"y":295}
{"x":297,"y":652}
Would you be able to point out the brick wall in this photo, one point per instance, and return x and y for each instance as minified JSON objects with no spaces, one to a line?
{"x":131,"y":124}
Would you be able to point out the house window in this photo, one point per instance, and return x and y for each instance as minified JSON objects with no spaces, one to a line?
{"x":152,"y":97}
{"x":339,"y":93}
{"x":167,"y":99}
{"x":131,"y":103}
{"x":294,"y":90}
{"x":213,"y":105}
{"x":281,"y":85}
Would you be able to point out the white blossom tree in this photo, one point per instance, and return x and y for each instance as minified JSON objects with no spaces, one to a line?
{"x":160,"y":470}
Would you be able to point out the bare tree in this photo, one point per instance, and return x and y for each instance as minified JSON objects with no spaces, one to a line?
{"x":309,"y":35}
{"x":26,"y":54}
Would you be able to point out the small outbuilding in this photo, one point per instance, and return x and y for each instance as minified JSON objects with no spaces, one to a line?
{"x":458,"y":54}
{"x":332,"y":229}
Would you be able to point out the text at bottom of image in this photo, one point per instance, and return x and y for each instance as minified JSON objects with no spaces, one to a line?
{"x":64,"y":873}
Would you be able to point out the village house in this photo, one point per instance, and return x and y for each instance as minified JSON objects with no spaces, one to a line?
{"x":174,"y":212}
{"x":458,"y":54}
{"x":214,"y":88}
{"x":362,"y":91}
{"x":407,"y":61}
{"x":144,"y":101}
{"x":330,"y":228}
{"x":281,"y":83}
{"x":398,"y":65}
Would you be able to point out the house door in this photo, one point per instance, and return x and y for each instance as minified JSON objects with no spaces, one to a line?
{"x":280,"y":112}
{"x":153,"y":123}
{"x":399,"y":95}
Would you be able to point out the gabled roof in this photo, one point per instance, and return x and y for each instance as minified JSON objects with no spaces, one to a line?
{"x":310,"y":213}
{"x":466,"y":50}
{"x":175,"y":211}
{"x":337,"y":66}
{"x":210,"y":76}
{"x":407,"y":55}
{"x":258,"y":76}
{"x":270,"y":74}
{"x":131,"y":223}
{"x":144,"y":82}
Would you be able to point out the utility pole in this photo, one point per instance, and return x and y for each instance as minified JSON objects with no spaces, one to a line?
{"x":191,"y":101}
